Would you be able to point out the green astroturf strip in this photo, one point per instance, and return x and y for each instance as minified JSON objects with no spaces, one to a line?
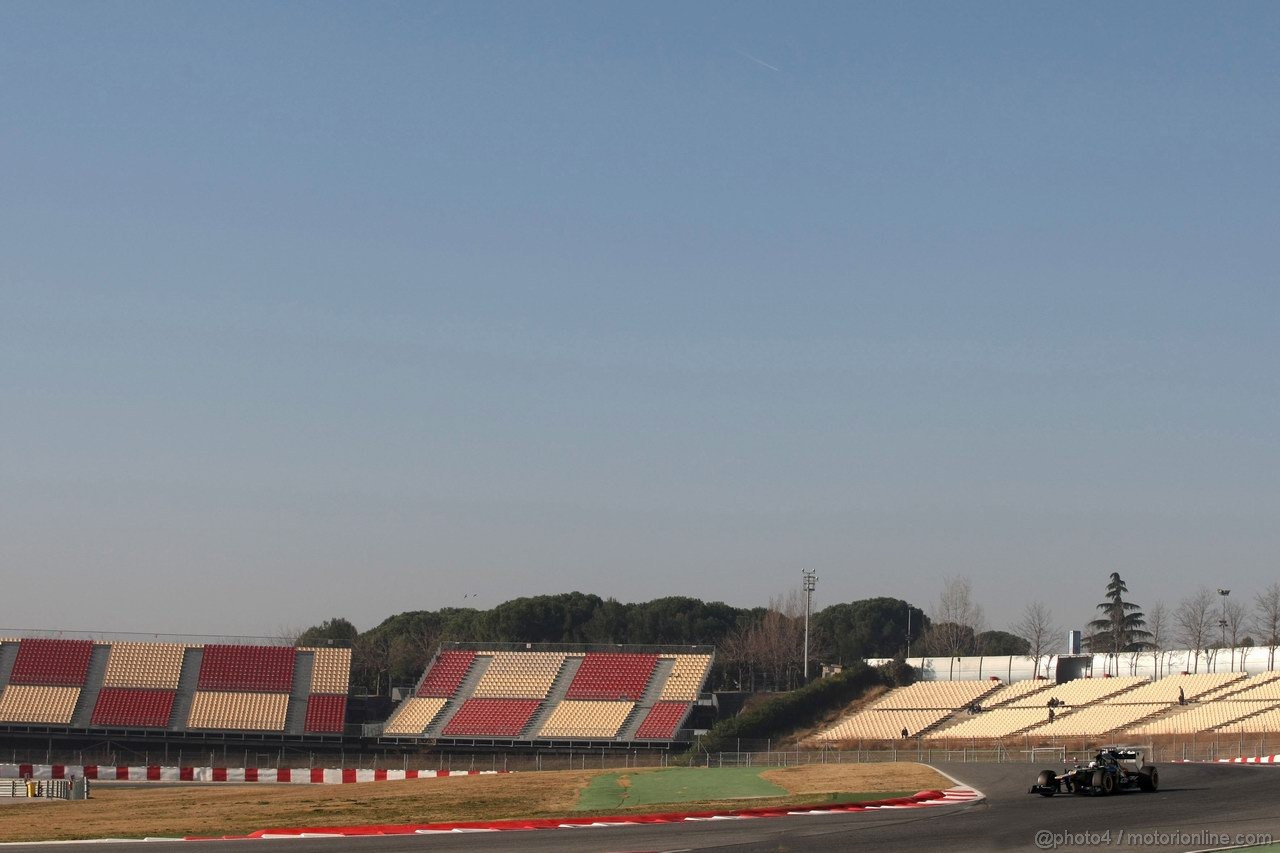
{"x":675,"y":785}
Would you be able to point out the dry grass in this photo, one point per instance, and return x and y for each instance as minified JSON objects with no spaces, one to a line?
{"x":216,"y":810}
{"x":825,"y":778}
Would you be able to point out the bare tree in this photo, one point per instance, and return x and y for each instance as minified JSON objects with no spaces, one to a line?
{"x":1234,"y":614}
{"x":782,"y":638}
{"x":956,"y":621}
{"x":1037,"y":628}
{"x":1158,"y":626}
{"x":371,"y":660}
{"x":1195,"y":623}
{"x":1266,"y":620}
{"x":771,"y":647}
{"x":285,"y":635}
{"x":734,"y":654}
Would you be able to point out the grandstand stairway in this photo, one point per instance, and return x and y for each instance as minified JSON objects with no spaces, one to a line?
{"x":652,"y":693}
{"x":295,"y":719}
{"x":461,"y":695}
{"x":8,"y":654}
{"x":82,"y":717}
{"x":559,"y":689}
{"x":957,"y":714}
{"x":187,"y":683}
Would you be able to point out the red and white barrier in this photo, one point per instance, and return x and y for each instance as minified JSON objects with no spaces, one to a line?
{"x":1255,"y":759}
{"x":958,"y":795}
{"x":282,"y":775}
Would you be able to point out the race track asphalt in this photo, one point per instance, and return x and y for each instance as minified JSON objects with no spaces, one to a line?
{"x":1198,"y":807}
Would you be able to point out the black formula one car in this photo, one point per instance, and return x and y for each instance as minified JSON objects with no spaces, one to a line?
{"x":1113,"y":769}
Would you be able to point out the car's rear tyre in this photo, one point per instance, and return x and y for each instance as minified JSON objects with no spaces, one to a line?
{"x":1152,"y":780}
{"x":1047,"y":781}
{"x":1104,"y":781}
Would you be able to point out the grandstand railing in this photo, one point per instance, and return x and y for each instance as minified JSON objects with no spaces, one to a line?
{"x":581,"y":648}
{"x":149,"y":637}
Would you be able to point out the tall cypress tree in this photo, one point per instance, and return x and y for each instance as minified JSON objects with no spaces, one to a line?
{"x":1121,"y":627}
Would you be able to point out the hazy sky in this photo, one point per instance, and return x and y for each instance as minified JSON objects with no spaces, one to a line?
{"x":315,"y":309}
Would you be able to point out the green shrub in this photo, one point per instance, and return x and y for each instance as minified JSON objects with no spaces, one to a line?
{"x":797,"y":709}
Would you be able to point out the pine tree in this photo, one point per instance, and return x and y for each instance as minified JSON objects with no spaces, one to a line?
{"x":1122,"y":627}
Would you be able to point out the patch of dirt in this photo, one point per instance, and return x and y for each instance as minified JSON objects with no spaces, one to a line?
{"x":824,"y":778}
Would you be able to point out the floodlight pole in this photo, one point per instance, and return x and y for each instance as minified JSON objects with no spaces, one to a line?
{"x":810,"y":581}
{"x":1222,"y":623}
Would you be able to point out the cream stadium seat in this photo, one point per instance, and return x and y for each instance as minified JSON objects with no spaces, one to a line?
{"x":586,"y":719}
{"x":996,"y":723}
{"x":687,"y":676}
{"x":1269,"y":689}
{"x":519,"y":675}
{"x":1081,"y":691}
{"x":1266,"y":722}
{"x":1097,"y":720}
{"x":414,"y":715}
{"x":1202,"y":717}
{"x":1193,"y":687}
{"x":1249,"y":683}
{"x":874,"y":724}
{"x":21,"y":703}
{"x":951,"y":695}
{"x":151,"y":665}
{"x":330,"y":670}
{"x":1017,"y":691}
{"x":239,"y":711}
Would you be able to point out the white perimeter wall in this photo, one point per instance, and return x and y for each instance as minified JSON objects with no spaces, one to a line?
{"x":1149,"y":664}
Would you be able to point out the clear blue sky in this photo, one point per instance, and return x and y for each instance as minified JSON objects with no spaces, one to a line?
{"x":316,"y":309}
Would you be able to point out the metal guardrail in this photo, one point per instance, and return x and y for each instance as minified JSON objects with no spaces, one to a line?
{"x":148,"y":637}
{"x":49,"y":789}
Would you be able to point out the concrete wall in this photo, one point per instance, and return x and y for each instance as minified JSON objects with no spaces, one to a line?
{"x":1149,"y":664}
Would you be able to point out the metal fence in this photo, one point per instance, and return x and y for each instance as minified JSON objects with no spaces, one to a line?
{"x":743,"y":753}
{"x":1166,"y":749}
{"x":52,"y":789}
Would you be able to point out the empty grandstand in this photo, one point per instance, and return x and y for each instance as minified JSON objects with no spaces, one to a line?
{"x":172,"y":691}
{"x":1090,"y":708}
{"x":1130,"y":706}
{"x":480,"y":694}
{"x":492,"y":696}
{"x":228,"y":692}
{"x":910,"y":711}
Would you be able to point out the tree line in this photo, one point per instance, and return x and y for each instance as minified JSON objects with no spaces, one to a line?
{"x":1203,"y":623}
{"x":757,"y":648}
{"x":761,"y":649}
